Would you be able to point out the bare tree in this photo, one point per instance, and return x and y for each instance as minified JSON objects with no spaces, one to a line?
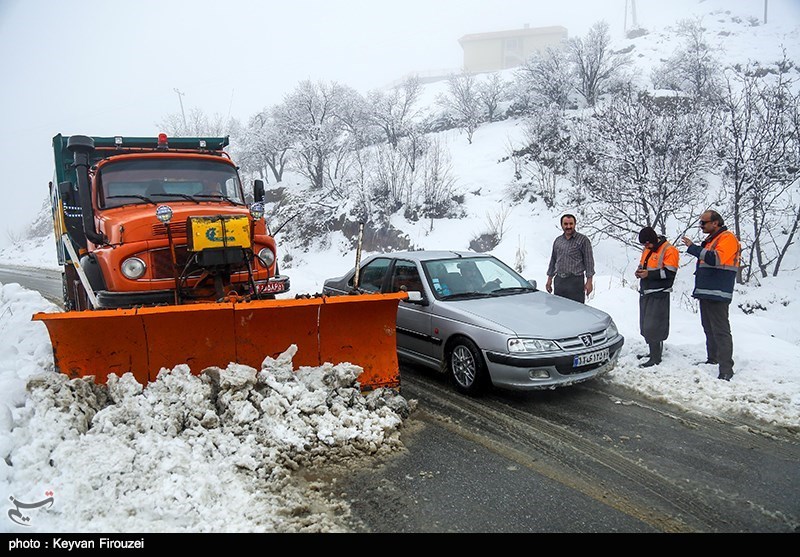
{"x":546,"y":78}
{"x":413,"y":147}
{"x":311,"y":114}
{"x":394,"y":111}
{"x":758,"y":154}
{"x":491,"y":92}
{"x":595,"y":64}
{"x":266,"y":145}
{"x":390,"y":178}
{"x":545,"y":155}
{"x":462,"y":101}
{"x":792,"y":201}
{"x":197,"y":124}
{"x":693,"y":68}
{"x":355,"y":114}
{"x":643,"y":163}
{"x":437,"y":184}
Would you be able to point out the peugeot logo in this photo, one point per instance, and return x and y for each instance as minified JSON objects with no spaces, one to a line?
{"x":586,"y":340}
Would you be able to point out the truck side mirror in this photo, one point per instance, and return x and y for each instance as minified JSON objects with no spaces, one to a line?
{"x":258,"y":190}
{"x":66,"y":192}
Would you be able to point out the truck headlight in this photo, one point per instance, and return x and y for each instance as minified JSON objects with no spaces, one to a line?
{"x":257,"y":210}
{"x":133,"y":268}
{"x":531,"y":345}
{"x":267,"y":256}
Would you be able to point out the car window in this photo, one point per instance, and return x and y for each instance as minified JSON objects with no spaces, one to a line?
{"x":372,"y":275}
{"x":405,"y":277}
{"x":465,"y":275}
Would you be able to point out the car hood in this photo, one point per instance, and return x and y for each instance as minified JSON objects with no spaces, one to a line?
{"x":533,"y":314}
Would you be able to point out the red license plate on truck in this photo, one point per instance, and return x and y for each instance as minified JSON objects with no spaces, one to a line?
{"x":272,"y":287}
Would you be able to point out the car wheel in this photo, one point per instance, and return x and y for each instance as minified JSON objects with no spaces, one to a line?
{"x":466,"y":367}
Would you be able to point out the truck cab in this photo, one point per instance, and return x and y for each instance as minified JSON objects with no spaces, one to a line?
{"x":152,"y":221}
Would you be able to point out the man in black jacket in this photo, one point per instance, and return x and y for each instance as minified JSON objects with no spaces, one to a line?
{"x":656,"y":273}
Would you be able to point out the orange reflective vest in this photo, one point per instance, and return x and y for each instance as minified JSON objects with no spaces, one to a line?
{"x":718,"y":259}
{"x":662,"y":265}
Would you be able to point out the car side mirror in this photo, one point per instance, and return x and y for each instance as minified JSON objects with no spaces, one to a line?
{"x":416,"y":297}
{"x":532,"y":282}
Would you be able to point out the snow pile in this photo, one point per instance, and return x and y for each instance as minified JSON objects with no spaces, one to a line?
{"x":180,"y":453}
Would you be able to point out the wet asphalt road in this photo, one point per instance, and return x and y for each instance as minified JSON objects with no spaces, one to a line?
{"x":591,"y":458}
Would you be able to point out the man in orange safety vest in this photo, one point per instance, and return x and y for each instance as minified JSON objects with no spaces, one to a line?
{"x":718,"y":258}
{"x":656,"y":273}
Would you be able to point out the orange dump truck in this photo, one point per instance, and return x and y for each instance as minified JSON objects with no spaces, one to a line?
{"x":164,"y":262}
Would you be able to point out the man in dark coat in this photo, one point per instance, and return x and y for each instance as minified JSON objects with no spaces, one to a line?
{"x":656,"y":273}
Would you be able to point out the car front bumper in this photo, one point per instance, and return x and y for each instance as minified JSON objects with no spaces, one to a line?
{"x":534,"y":372}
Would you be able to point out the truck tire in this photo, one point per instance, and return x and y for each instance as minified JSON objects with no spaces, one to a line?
{"x":68,"y":288}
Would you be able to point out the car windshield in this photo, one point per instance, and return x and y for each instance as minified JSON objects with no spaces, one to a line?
{"x":156,"y":181}
{"x":466,"y":277}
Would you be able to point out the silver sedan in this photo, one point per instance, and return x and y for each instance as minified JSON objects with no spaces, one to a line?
{"x":484,"y":324}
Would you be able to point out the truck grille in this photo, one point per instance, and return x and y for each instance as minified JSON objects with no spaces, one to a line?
{"x":161,"y":262}
{"x":177,"y":229}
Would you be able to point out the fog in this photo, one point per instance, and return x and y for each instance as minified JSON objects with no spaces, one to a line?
{"x":112,"y":68}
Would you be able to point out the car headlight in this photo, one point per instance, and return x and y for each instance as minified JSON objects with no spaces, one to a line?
{"x":612,"y":331}
{"x":531,"y":345}
{"x":267,"y":256}
{"x":133,"y":268}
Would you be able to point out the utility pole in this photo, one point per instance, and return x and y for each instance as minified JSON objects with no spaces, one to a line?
{"x":765,"y":11}
{"x":634,"y":22}
{"x":625,"y":24}
{"x":180,"y":100}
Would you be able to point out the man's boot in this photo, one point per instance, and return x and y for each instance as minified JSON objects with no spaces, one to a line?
{"x":655,"y":354}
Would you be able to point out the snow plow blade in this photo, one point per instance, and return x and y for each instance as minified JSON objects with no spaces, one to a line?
{"x":358,"y":329}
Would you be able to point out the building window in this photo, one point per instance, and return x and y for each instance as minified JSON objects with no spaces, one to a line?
{"x":512,"y":53}
{"x":512,"y":46}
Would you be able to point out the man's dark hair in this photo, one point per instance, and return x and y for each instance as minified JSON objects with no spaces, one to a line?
{"x":568,"y":216}
{"x":715,"y":217}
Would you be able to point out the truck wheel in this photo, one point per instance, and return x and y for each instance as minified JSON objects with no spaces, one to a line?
{"x":83,"y":302}
{"x":68,"y":305}
{"x":467,"y":368}
{"x":68,"y":280}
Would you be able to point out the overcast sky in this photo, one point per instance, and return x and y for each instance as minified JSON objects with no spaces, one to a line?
{"x":111,"y":68}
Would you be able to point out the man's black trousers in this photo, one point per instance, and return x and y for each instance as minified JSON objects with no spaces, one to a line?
{"x":570,"y":287}
{"x":719,"y":342}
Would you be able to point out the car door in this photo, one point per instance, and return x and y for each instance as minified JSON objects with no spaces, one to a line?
{"x":372,"y":275}
{"x":413,"y":318}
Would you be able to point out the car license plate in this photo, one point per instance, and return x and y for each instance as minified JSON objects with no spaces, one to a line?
{"x":590,"y":358}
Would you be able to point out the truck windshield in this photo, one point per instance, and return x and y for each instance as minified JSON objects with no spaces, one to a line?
{"x":167,"y":179}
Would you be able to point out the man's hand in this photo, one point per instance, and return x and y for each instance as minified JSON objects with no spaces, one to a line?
{"x":588,"y":286}
{"x":687,"y":242}
{"x":641,"y":273}
{"x":549,"y":285}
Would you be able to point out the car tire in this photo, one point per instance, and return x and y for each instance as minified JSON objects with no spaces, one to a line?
{"x":466,"y":367}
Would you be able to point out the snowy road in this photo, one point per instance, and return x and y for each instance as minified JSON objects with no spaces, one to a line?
{"x":589,"y":458}
{"x":45,"y":281}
